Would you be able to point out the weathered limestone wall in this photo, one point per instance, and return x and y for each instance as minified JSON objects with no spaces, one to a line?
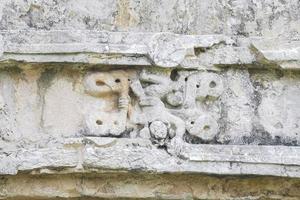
{"x":127,"y":99}
{"x":256,"y":107}
{"x":269,"y":18}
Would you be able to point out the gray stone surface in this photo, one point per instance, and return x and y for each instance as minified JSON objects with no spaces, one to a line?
{"x":266,"y":18}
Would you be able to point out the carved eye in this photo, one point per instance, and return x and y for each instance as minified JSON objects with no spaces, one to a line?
{"x":212,"y":84}
{"x":197,"y":86}
{"x":117,"y":80}
{"x":99,"y":122}
{"x":186,"y":79}
{"x":192,"y":122}
{"x":100,"y":83}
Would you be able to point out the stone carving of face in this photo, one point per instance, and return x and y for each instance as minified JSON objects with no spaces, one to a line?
{"x":104,"y":83}
{"x":108,"y":87}
{"x":202,"y":86}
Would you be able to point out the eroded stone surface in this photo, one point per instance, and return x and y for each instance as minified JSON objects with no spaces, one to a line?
{"x":191,"y":87}
{"x":113,"y":88}
{"x":170,"y":108}
{"x":146,"y":49}
{"x":239,"y":17}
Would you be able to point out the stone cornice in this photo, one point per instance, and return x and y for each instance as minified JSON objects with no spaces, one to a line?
{"x":160,"y":49}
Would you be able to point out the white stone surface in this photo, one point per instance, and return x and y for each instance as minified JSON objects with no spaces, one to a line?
{"x":89,"y":154}
{"x":240,"y":17}
{"x":160,"y":49}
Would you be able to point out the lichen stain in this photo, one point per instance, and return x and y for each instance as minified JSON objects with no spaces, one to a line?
{"x":124,"y":17}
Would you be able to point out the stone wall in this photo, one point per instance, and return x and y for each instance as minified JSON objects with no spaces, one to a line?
{"x":149,"y":99}
{"x":269,"y":18}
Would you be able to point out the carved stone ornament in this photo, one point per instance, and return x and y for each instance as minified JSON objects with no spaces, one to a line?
{"x":149,"y":99}
{"x":154,"y":101}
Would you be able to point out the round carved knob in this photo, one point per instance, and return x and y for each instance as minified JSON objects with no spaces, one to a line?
{"x":158,"y":130}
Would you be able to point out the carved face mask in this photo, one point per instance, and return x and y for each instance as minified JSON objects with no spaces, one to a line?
{"x":103,"y":83}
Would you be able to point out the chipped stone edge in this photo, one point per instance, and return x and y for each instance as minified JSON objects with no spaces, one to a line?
{"x":110,"y":154}
{"x":125,"y":48}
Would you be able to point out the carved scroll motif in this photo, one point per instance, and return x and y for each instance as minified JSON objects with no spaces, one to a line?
{"x":162,"y":124}
{"x":171,"y":107}
{"x":178,"y":106}
{"x":202,"y":87}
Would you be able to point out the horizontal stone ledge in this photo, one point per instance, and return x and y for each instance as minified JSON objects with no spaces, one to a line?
{"x":147,"y":49}
{"x":90,"y":154}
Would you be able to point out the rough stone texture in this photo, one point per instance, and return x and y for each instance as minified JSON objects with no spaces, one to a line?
{"x":267,"y":18}
{"x":146,"y":186}
{"x":188,"y":88}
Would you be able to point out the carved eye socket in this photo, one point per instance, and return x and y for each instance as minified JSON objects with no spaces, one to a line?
{"x":117,"y":80}
{"x":197,"y":86}
{"x":186,"y":79}
{"x":174,"y":76}
{"x":100,"y":83}
{"x":192,"y":122}
{"x":212,"y":84}
{"x":99,"y":122}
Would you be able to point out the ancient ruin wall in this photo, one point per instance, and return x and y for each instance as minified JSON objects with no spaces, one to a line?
{"x":149,"y":99}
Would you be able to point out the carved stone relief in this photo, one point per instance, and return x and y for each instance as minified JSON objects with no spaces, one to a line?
{"x":135,"y":100}
{"x":167,"y":104}
{"x":111,"y":86}
{"x":177,"y":106}
{"x":164,"y":99}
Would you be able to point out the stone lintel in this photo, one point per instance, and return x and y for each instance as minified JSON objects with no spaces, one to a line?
{"x":146,"y":49}
{"x":108,"y":154}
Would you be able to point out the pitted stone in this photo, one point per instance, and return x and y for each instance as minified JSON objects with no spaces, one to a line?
{"x":164,"y":99}
{"x":203,"y":127}
{"x":166,"y":50}
{"x":158,"y":129}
